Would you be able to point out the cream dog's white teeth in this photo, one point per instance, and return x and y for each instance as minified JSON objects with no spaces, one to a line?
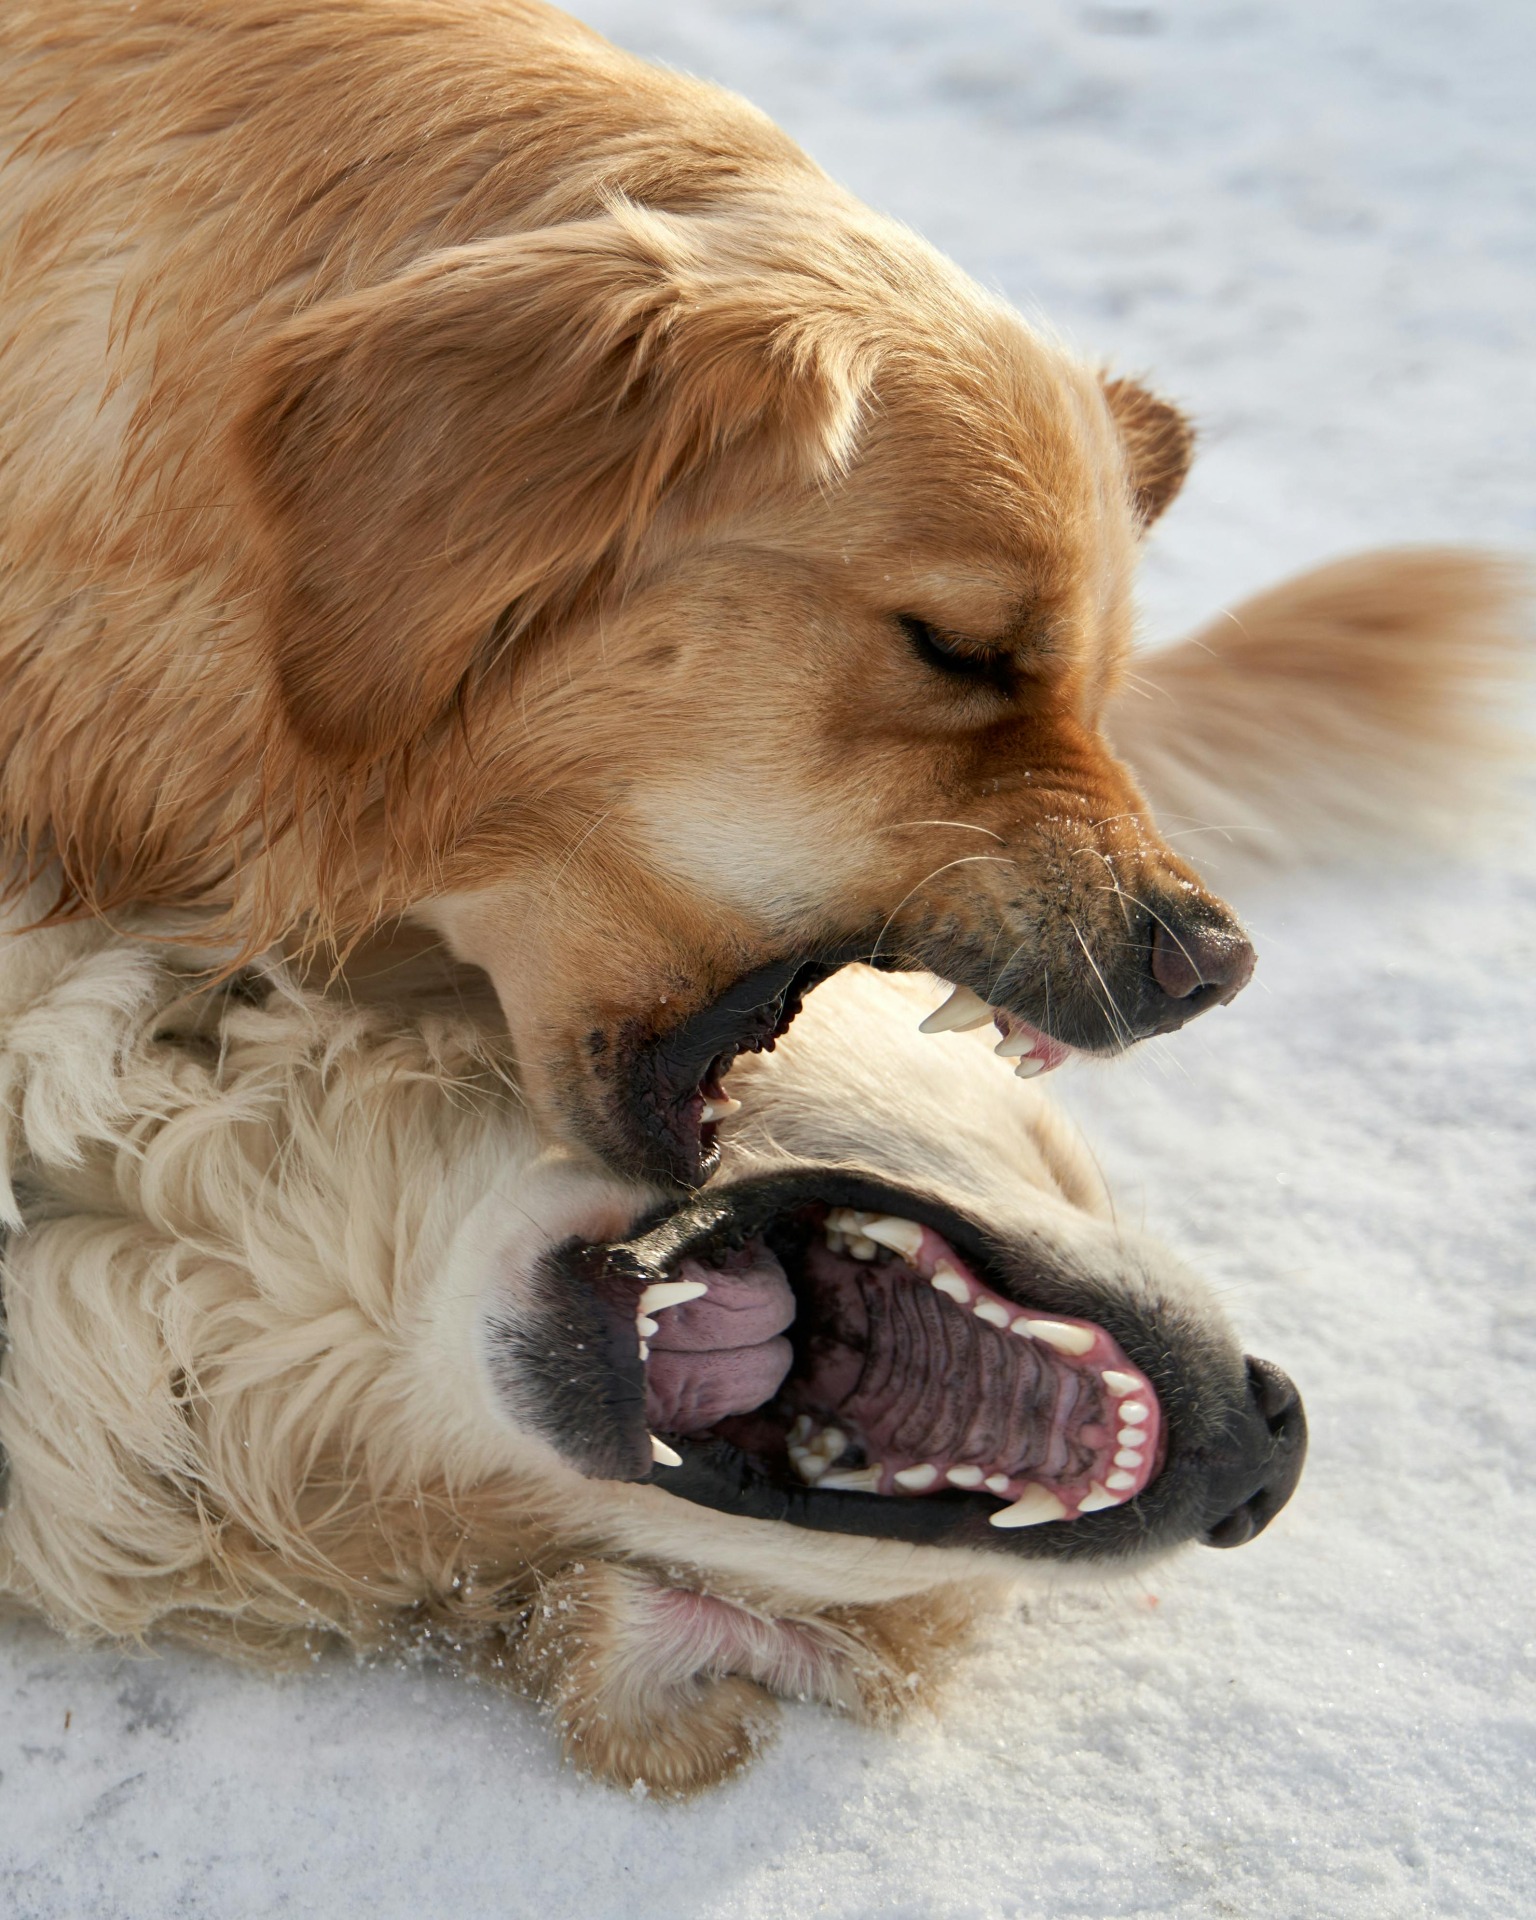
{"x":1120,"y":1482}
{"x":861,"y":1480}
{"x":810,"y":1466}
{"x":1133,"y":1413}
{"x":1032,"y":1508}
{"x":1028,"y":1068}
{"x":1096,"y":1500}
{"x":1129,"y":1457}
{"x":718,"y":1109}
{"x":1131,"y":1437}
{"x":671,"y":1293}
{"x":960,"y":1013}
{"x":993,"y":1312}
{"x":901,"y":1236}
{"x":965,"y":1476}
{"x":996,"y":1483}
{"x":1120,"y":1384}
{"x":1013,"y":1046}
{"x":664,"y":1454}
{"x":838,"y":1242}
{"x":916,"y":1479}
{"x":1065,"y":1339}
{"x":645,"y":1351}
{"x":645,"y":1326}
{"x":861,"y":1247}
{"x":945,"y":1280}
{"x":847,"y":1219}
{"x":801,"y":1429}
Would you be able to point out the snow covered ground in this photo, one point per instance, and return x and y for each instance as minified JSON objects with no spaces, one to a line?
{"x":1314,"y":223}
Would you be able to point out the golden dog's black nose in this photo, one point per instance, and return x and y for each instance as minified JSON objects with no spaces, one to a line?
{"x":1200,"y":961}
{"x":1253,"y":1472}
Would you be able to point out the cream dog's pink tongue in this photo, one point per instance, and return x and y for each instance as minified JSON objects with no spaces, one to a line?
{"x":720,"y":1352}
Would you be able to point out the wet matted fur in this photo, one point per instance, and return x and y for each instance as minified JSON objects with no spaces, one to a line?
{"x":449,"y":467}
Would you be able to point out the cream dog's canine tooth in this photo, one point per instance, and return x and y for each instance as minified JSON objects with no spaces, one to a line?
{"x":860,"y":1480}
{"x":1095,"y":1500}
{"x":916,"y":1479}
{"x":1028,"y":1068}
{"x":1063,"y":1338}
{"x":901,"y":1236}
{"x":718,"y":1109}
{"x":1013,"y":1046}
{"x":1120,"y":1384}
{"x":993,"y":1312}
{"x":945,"y":1280}
{"x":671,"y":1293}
{"x":1133,"y":1413}
{"x":965,"y":1476}
{"x":1032,"y":1508}
{"x":960,"y":1013}
{"x":1120,"y":1482}
{"x":661,"y":1452}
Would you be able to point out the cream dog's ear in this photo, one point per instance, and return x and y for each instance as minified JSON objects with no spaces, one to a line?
{"x":1159,"y":446}
{"x":477,"y":444}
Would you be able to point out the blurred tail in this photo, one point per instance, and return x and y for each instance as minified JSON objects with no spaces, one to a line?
{"x":1366,"y":706}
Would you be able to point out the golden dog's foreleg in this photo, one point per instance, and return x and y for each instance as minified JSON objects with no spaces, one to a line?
{"x":672,"y":1689}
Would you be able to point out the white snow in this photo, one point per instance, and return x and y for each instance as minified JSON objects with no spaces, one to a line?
{"x":1313,"y":223}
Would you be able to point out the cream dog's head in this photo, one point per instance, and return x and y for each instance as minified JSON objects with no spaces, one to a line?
{"x":897,"y":1319}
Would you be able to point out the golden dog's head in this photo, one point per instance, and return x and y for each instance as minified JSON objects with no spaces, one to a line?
{"x":713,"y":598}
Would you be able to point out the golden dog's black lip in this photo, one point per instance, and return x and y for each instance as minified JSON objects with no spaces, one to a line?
{"x":1235,"y":1433}
{"x":669,"y":1078}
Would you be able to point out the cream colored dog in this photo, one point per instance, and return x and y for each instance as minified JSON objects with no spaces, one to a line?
{"x":311,"y":1337}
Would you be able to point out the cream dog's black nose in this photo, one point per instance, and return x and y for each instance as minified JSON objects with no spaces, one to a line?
{"x":1254,"y":1470}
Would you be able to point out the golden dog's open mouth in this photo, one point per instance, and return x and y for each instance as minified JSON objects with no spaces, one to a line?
{"x":823,"y":1349}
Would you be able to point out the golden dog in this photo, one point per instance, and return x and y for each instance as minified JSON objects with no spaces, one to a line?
{"x":449,"y":468}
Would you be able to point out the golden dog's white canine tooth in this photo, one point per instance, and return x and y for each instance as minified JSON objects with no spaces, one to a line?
{"x":962,"y":1012}
{"x":670,"y":1293}
{"x":663,"y":1454}
{"x":718,"y":1109}
{"x":1032,"y":1509}
{"x":901,"y":1236}
{"x":1065,"y":1339}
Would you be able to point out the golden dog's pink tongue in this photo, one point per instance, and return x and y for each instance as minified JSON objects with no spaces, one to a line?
{"x":719,"y":1352}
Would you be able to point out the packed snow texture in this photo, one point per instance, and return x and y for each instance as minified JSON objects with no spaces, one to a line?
{"x":1313,"y":224}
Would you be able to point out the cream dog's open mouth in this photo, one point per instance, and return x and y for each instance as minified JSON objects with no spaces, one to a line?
{"x":822,"y":1348}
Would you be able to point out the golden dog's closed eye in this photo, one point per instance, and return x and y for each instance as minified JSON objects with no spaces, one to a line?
{"x":959,"y":659}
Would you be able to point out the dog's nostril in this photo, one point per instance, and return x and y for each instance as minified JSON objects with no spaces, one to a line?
{"x":1187,"y":958}
{"x":1255,"y":1470}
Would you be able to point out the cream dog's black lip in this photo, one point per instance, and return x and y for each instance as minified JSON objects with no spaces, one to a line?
{"x":1236,"y":1438}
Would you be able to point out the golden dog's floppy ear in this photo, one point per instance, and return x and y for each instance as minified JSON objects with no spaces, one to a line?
{"x":478,"y":443}
{"x":1159,"y":445}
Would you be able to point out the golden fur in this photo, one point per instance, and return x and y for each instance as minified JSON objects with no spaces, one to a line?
{"x":450,"y":467}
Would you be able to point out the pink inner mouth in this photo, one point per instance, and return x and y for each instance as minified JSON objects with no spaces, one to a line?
{"x":906,"y":1374}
